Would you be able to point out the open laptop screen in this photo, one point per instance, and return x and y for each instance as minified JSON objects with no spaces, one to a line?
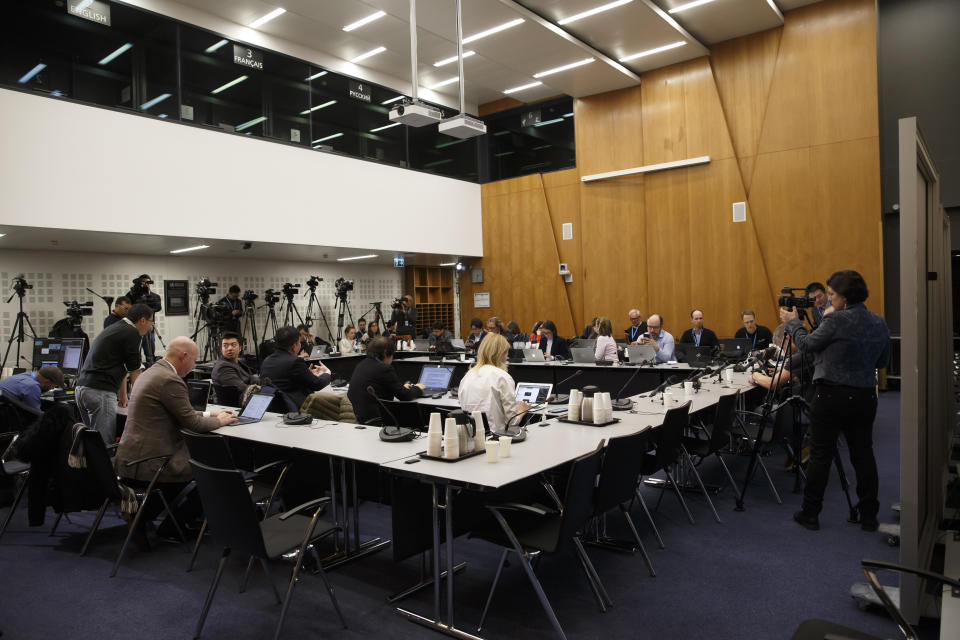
{"x":534,"y":393}
{"x":199,"y":393}
{"x":436,"y":378}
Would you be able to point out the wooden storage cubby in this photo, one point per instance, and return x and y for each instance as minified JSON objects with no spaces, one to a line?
{"x":432,"y":291}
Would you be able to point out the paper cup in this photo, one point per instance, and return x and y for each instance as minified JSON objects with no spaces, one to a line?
{"x":688,"y":388}
{"x":728,"y":375}
{"x":504,"y":444}
{"x":493,"y":450}
{"x":434,"y":445}
{"x":667,"y":397}
{"x":436,"y":424}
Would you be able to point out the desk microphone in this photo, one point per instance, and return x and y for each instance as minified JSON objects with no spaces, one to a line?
{"x":521,"y":433}
{"x":666,"y":383}
{"x":396,"y":433}
{"x":625,"y":404}
{"x":563,"y":398}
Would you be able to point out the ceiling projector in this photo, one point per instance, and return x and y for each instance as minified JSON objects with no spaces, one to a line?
{"x":462,"y":126}
{"x":415,"y":114}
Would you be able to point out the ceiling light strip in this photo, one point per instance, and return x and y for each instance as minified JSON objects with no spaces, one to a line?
{"x":566,"y":67}
{"x":689,"y":5}
{"x":493,"y":30}
{"x":359,"y":23}
{"x":368,"y":54}
{"x":267,"y":18}
{"x":594,"y":11}
{"x":250,"y":123}
{"x":523,"y":87}
{"x":650,"y":52}
{"x":28,"y":76}
{"x":393,"y":100}
{"x":369,"y":255}
{"x":215,"y":46}
{"x":666,"y":17}
{"x":689,"y":162}
{"x":446,"y":61}
{"x":386,"y":126}
{"x":316,"y":75}
{"x":330,"y":137}
{"x":224,"y":87}
{"x":119,"y":52}
{"x":196,"y":248}
{"x":444,"y":83}
{"x":151,"y":103}
{"x":319,"y":106}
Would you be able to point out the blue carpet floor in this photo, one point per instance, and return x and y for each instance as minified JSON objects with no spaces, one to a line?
{"x":756,"y":575}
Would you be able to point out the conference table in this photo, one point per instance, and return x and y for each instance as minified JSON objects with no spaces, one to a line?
{"x":550,"y":443}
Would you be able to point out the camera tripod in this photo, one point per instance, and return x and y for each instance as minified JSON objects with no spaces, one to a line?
{"x":19,"y":324}
{"x":250,"y":322}
{"x":271,"y":321}
{"x":291,"y":313}
{"x":308,"y":320}
{"x":341,"y":302}
{"x":211,"y":339}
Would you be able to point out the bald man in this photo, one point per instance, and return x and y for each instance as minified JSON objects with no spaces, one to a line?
{"x":660,"y":339}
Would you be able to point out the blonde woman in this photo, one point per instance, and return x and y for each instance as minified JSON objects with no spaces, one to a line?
{"x":488,"y":387}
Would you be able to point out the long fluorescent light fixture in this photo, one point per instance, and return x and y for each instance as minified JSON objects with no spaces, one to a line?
{"x":196,"y":248}
{"x":546,"y":122}
{"x":330,"y":137}
{"x":650,"y":52}
{"x":28,"y":76}
{"x":689,"y":5}
{"x":151,"y":103}
{"x":369,"y":255}
{"x":319,"y":106}
{"x":687,"y":162}
{"x":594,"y":11}
{"x":316,"y":75}
{"x":228,"y":85}
{"x":446,"y":61}
{"x":2,"y":235}
{"x":386,"y":126}
{"x":393,"y":100}
{"x":267,"y":18}
{"x":448,"y":264}
{"x":119,"y":52}
{"x":492,"y":30}
{"x":250,"y":123}
{"x":523,"y":87}
{"x":215,"y":46}
{"x":368,"y":54}
{"x":444,"y":82}
{"x":572,"y":65}
{"x":359,"y":23}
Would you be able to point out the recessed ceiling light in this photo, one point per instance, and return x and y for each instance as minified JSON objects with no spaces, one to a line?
{"x":368,"y":54}
{"x":369,"y":255}
{"x":523,"y":87}
{"x":393,"y":100}
{"x":689,"y":5}
{"x":493,"y":30}
{"x":150,"y":103}
{"x":650,"y":52}
{"x":224,"y":87}
{"x":215,"y":46}
{"x":25,"y":78}
{"x":359,"y":23}
{"x":324,"y":139}
{"x":319,"y":106}
{"x":444,"y":82}
{"x":109,"y":58}
{"x":572,"y":65}
{"x":546,"y":122}
{"x":445,"y":61}
{"x":386,"y":126}
{"x":267,"y":18}
{"x":250,"y":123}
{"x":594,"y":11}
{"x":316,"y":75}
{"x":199,"y":246}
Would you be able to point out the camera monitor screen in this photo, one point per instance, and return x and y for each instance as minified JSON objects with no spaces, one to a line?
{"x":436,"y":379}
{"x":47,"y":352}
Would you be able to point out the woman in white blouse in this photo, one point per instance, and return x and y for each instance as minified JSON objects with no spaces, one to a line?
{"x":606,"y":349}
{"x":349,"y":339}
{"x":488,"y":387}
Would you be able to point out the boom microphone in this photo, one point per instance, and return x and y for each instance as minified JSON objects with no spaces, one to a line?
{"x":666,"y":383}
{"x":562,"y":398}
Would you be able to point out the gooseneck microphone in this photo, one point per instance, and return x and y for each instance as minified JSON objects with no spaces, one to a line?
{"x":666,"y":383}
{"x":625,"y":404}
{"x":521,"y":434}
{"x":562,"y":398}
{"x":395,"y":433}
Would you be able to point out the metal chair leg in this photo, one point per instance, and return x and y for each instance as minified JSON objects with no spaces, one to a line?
{"x":726,"y":469}
{"x":653,"y":525}
{"x":333,"y":596}
{"x":213,"y":589}
{"x":636,"y":537}
{"x":196,"y":546}
{"x":126,"y":541}
{"x":246,"y":575}
{"x":266,"y":570}
{"x":493,"y":587}
{"x":13,"y":507}
{"x":286,"y":599}
{"x":676,"y":490}
{"x":173,"y":518}
{"x":703,"y":489}
{"x":603,"y":598}
{"x":773,"y":488}
{"x":56,"y":523}
{"x":94,"y":526}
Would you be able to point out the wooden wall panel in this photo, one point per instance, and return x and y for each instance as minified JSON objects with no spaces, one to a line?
{"x":562,"y":190}
{"x":664,"y":116}
{"x":609,"y":131}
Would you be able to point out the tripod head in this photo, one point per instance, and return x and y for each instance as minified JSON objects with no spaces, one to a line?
{"x":290,"y":290}
{"x":271,"y":298}
{"x":20,"y":286}
{"x":312,"y":284}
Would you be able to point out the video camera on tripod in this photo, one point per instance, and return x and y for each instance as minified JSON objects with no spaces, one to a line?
{"x":139,"y":288}
{"x":249,"y":298}
{"x":290,"y":290}
{"x":343,"y":286}
{"x":313,"y":282}
{"x":204,"y":288}
{"x":271,"y":297}
{"x":77,"y":310}
{"x":19,"y":286}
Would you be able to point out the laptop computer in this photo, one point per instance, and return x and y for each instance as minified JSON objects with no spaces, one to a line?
{"x":736,"y":347}
{"x":458,"y":344}
{"x":421,"y":344}
{"x":640,"y":352}
{"x":318,"y":351}
{"x":256,"y":407}
{"x":584,"y":343}
{"x":533,"y":392}
{"x":199,"y":391}
{"x":533,"y":355}
{"x":692,"y":354}
{"x":436,"y":378}
{"x":583,"y":354}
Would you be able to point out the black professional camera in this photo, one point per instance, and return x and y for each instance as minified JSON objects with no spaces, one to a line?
{"x":205,"y":287}
{"x":76,"y":310}
{"x":291,"y":290}
{"x":271,"y":297}
{"x":20,"y":285}
{"x":397,"y":304}
{"x":249,"y":297}
{"x":790,"y":301}
{"x":343,"y":286}
{"x":139,"y":289}
{"x":313,"y":282}
{"x":217,"y":314}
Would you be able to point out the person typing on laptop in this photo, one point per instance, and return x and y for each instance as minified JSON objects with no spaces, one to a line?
{"x":606,"y":349}
{"x":552,"y":345}
{"x":440,"y":338}
{"x":487,"y":386}
{"x":661,"y":340}
{"x":376,"y":371}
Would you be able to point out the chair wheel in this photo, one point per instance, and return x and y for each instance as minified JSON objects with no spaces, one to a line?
{"x":893,"y":541}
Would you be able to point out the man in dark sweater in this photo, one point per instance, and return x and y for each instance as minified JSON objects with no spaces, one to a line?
{"x":376,"y":371}
{"x":120,"y":308}
{"x":290,"y":374}
{"x":758,"y":334}
{"x":101,"y":385}
{"x":697,"y":335}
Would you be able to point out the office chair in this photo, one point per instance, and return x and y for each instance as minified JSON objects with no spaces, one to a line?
{"x":718,"y":436}
{"x":666,"y":440}
{"x":16,"y":470}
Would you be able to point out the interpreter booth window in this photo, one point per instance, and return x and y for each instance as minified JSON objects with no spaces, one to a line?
{"x":441,"y":154}
{"x":112,"y":55}
{"x":534,"y":138}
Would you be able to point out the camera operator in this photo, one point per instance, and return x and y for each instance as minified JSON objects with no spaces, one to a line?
{"x":848,"y":346}
{"x":120,"y":308}
{"x":405,"y":315}
{"x":140,"y":294}
{"x":235,"y":304}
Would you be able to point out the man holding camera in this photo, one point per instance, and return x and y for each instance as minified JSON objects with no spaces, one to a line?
{"x":120,"y":308}
{"x":140,"y":294}
{"x":233,"y":302}
{"x":405,"y":315}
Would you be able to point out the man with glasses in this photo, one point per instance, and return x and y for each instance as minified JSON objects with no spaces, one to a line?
{"x":102,"y":383}
{"x":637,"y":327}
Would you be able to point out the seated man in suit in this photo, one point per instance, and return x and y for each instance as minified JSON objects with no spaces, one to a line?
{"x":661,"y":340}
{"x":228,"y":371}
{"x":697,"y":335}
{"x":552,"y":345}
{"x":376,"y":371}
{"x":159,"y":408}
{"x":759,"y":334}
{"x":290,"y":374}
{"x":440,"y":338}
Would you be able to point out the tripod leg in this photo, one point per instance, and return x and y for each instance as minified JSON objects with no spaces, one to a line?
{"x":854,"y":513}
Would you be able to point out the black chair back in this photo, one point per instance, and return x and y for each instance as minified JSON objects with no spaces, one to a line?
{"x":99,"y":470}
{"x":578,"y":500}
{"x":723,"y":421}
{"x":227,"y":396}
{"x":15,"y":416}
{"x":669,"y":435}
{"x":210,"y":449}
{"x":620,"y":470}
{"x":231,"y":514}
{"x":407,"y":414}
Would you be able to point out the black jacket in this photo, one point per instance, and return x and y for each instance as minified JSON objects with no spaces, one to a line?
{"x":383,"y":378}
{"x":292,"y":375}
{"x":232,"y":374}
{"x":559,"y":349}
{"x":761,"y":338}
{"x":632,"y":334}
{"x":707,"y":338}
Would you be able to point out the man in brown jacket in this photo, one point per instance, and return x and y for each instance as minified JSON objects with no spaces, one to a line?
{"x":159,"y":408}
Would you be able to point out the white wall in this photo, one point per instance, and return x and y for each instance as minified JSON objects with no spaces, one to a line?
{"x":57,"y":276}
{"x":70,"y":166}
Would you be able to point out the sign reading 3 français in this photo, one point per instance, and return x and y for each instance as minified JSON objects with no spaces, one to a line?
{"x":95,"y":11}
{"x":247,"y":57}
